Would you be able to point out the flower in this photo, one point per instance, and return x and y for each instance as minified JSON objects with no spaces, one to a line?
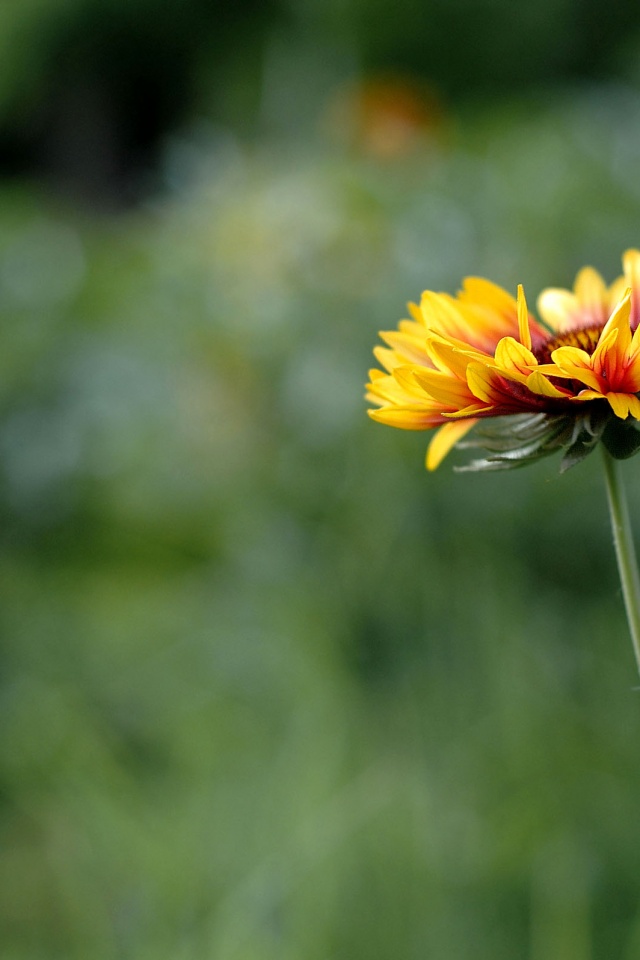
{"x":564,"y":381}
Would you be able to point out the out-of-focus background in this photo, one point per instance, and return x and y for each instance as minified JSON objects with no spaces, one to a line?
{"x":269,"y":691}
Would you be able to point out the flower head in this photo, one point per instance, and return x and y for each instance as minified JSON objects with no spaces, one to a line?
{"x":564,"y":381}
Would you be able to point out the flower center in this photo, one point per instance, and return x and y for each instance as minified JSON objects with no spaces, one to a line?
{"x":586,"y":338}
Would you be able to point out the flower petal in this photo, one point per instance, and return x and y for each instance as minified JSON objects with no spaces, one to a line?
{"x":514,"y":358}
{"x":631,"y":266}
{"x":446,"y":390}
{"x":409,"y":349}
{"x":624,"y":405}
{"x":557,"y":307}
{"x":619,"y":320}
{"x":446,"y":438}
{"x":591,"y":290}
{"x":523,"y":319}
{"x":406,"y":419}
{"x":386,"y":358}
{"x":488,"y":385}
{"x":538,"y":383}
{"x":574,"y":364}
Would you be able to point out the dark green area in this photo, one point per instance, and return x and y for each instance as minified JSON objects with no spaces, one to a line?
{"x":90,"y":89}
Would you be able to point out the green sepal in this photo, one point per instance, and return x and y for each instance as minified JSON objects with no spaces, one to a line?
{"x":502,"y":462}
{"x":621,"y":439}
{"x":516,"y":441}
{"x":577,"y":452}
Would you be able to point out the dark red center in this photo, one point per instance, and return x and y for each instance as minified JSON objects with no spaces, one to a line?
{"x":586,"y":338}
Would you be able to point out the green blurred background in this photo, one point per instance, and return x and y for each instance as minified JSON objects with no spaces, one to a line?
{"x":269,"y":691}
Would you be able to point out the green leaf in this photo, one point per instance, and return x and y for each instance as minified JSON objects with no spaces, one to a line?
{"x":621,"y":439}
{"x":509,"y":460}
{"x":576,"y":453}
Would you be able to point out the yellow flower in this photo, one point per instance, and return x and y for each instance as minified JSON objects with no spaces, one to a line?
{"x":565,"y":381}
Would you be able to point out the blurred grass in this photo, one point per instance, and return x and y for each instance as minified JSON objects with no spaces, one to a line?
{"x":268,"y":689}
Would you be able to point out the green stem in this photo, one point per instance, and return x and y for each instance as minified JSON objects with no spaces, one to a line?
{"x":625,"y":550}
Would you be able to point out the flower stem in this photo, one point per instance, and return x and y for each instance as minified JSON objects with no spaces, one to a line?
{"x":625,"y":550}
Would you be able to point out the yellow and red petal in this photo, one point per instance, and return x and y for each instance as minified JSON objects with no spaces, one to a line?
{"x":523,"y":319}
{"x":386,"y":390}
{"x":591,"y":292}
{"x":487,"y":385}
{"x":453,"y":356}
{"x":387,"y":358}
{"x":572,"y":363}
{"x":631,"y":267}
{"x":491,"y":297}
{"x":514,"y":358}
{"x":444,"y":440}
{"x":557,"y":308}
{"x":624,"y":405}
{"x":416,"y":313}
{"x":449,"y":391}
{"x":619,"y":320}
{"x":407,"y":348}
{"x":541,"y":385}
{"x":442,"y":315}
{"x":406,"y":419}
{"x":588,"y":305}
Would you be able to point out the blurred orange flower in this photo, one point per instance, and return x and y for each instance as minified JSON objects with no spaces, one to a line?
{"x":386,"y":117}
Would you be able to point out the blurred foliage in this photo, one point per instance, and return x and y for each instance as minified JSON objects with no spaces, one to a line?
{"x":90,"y":88}
{"x":268,"y":689}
